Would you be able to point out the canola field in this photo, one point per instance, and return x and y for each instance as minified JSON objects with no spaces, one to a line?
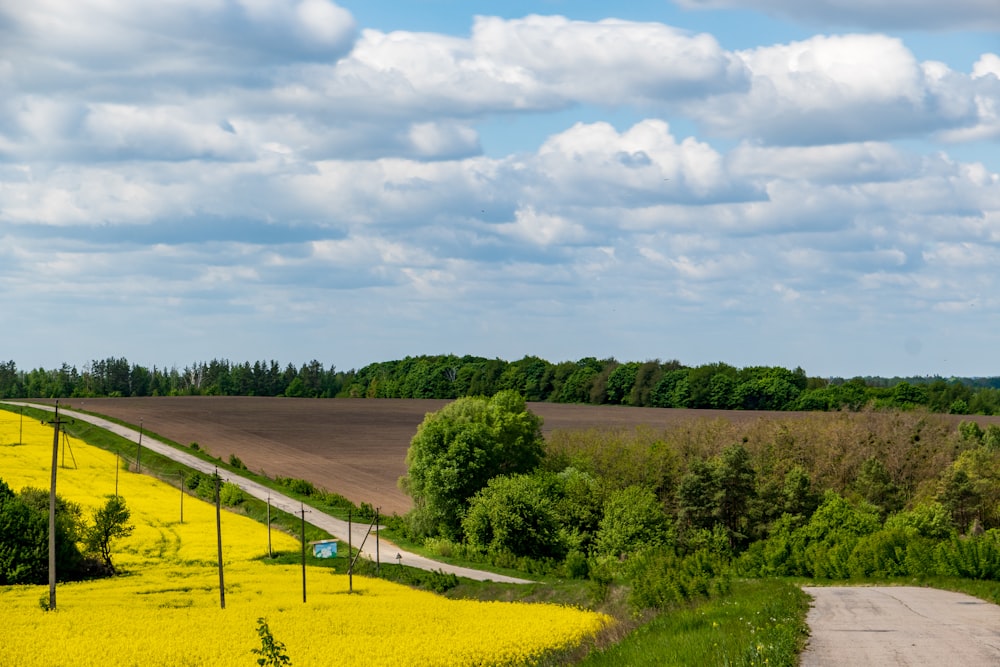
{"x":164,"y":609}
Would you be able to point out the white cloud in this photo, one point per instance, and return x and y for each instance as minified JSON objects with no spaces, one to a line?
{"x":284,"y":172}
{"x":922,"y":14}
{"x":845,"y":88}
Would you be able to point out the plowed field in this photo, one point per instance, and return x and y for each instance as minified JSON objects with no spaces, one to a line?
{"x":356,"y":447}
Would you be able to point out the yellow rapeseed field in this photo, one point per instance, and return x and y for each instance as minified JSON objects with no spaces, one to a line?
{"x":165,"y":609}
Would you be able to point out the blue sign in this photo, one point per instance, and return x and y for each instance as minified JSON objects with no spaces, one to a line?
{"x":325,"y":549}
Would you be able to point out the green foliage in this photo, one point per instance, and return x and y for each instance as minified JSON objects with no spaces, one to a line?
{"x":459,"y":448}
{"x":974,"y":557}
{"x":299,"y":486}
{"x":235,"y":462}
{"x":821,"y":548}
{"x":231,"y":495}
{"x":755,"y":623}
{"x":719,"y":491}
{"x":110,"y":523}
{"x":875,"y":485}
{"x":271,"y":651}
{"x":24,"y":535}
{"x":930,"y":520}
{"x":515,"y":514}
{"x":659,"y":578}
{"x":633,"y":520}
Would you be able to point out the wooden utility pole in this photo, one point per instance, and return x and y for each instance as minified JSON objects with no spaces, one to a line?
{"x":302,"y":509}
{"x":56,"y":424}
{"x":350,"y":557}
{"x":218,"y":531}
{"x":138,"y":450}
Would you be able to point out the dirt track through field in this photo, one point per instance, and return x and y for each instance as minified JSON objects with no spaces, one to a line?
{"x":882,"y":625}
{"x":336,"y":527}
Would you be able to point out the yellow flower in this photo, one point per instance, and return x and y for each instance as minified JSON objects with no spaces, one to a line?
{"x":165,"y":610}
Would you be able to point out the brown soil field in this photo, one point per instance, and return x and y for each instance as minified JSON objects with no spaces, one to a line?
{"x":354,"y":447}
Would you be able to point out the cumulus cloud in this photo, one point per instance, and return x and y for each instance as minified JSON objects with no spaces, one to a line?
{"x":887,"y":14}
{"x":257,"y":161}
{"x":847,"y":88}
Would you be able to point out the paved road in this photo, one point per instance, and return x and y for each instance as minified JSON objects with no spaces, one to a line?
{"x":905,"y":625}
{"x":336,"y":527}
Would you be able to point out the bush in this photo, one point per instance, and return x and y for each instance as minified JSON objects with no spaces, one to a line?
{"x":975,"y":557}
{"x":24,"y":538}
{"x":231,"y":495}
{"x":660,"y":578}
{"x":633,"y":519}
{"x":299,"y":486}
{"x":516,"y":515}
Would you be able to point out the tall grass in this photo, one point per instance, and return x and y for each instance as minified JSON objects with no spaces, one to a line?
{"x":761,"y":622}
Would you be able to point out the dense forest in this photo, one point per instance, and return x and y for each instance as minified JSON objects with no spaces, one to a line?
{"x":655,"y":383}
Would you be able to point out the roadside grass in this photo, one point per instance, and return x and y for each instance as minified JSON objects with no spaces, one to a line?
{"x":760,"y":622}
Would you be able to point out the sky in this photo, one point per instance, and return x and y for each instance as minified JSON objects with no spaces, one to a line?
{"x":757,"y":182}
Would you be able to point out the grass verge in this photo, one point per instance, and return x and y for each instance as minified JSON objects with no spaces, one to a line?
{"x":760,"y":622}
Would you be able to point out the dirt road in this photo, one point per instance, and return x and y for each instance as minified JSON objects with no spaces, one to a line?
{"x":882,"y":625}
{"x":336,"y":527}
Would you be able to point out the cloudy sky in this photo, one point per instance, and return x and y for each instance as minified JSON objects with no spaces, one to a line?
{"x":759,"y":182}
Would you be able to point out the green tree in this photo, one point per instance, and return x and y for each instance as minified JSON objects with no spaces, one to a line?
{"x":875,"y":484}
{"x":620,"y":382}
{"x":24,"y":537}
{"x":515,"y":514}
{"x":459,"y":448}
{"x":633,"y":519}
{"x":736,"y":482}
{"x":110,"y":523}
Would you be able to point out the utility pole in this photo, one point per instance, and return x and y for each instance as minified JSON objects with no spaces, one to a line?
{"x":56,"y":424}
{"x":302,"y":508}
{"x":350,"y":557}
{"x":138,"y":449}
{"x":218,"y":531}
{"x":181,"y":474}
{"x":20,"y":432}
{"x":270,"y":554}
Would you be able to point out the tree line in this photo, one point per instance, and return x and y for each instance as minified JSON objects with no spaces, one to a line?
{"x":654,"y":383}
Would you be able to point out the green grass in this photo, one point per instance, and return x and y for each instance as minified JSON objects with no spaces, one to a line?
{"x":760,"y":622}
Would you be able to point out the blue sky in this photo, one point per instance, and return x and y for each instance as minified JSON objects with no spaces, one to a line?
{"x":760,"y":182}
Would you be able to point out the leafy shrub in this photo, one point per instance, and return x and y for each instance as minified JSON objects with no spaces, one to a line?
{"x":235,"y":462}
{"x":271,"y":651}
{"x":974,"y":557}
{"x":575,"y":565}
{"x":299,"y":486}
{"x":633,"y":519}
{"x":661,"y":578}
{"x":193,"y":480}
{"x":820,"y":548}
{"x":231,"y":495}
{"x":514,"y":514}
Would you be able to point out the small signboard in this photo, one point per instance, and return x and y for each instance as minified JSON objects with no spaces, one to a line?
{"x":325,"y":549}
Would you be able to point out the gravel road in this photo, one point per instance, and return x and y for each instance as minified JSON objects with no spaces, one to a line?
{"x":336,"y":527}
{"x":905,"y":625}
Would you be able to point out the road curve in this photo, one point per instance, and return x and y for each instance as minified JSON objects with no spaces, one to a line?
{"x":900,"y":625}
{"x":336,"y":527}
